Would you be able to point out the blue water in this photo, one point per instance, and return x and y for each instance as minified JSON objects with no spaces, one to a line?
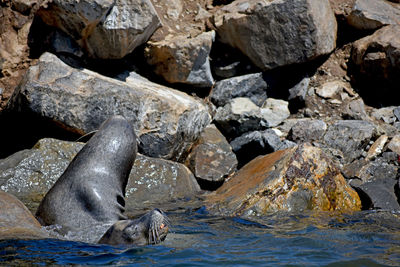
{"x":199,"y":239}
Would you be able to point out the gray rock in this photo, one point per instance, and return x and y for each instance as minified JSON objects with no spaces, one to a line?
{"x":252,"y":86}
{"x":351,"y":137}
{"x":396,"y":113}
{"x":384,"y":114}
{"x":211,"y":158}
{"x":182,"y":59}
{"x":167,"y":121}
{"x":241,"y":115}
{"x":24,"y":6}
{"x":307,"y":131}
{"x":299,"y":91}
{"x":378,"y":179}
{"x":355,"y":110}
{"x":105,"y":28}
{"x":29,"y":174}
{"x":330,"y":89}
{"x":268,"y":31}
{"x":372,"y":14}
{"x":252,"y":144}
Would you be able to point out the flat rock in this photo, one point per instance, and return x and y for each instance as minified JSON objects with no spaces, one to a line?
{"x":296,"y":179}
{"x":372,"y":14}
{"x":211,"y":159}
{"x":330,"y":89}
{"x":167,"y":121}
{"x":350,"y":136}
{"x":16,"y":221}
{"x":29,"y":174}
{"x":394,"y":144}
{"x":355,"y":110}
{"x":252,"y":86}
{"x":105,"y":28}
{"x":385,"y":114}
{"x":278,"y":33}
{"x":308,"y":130}
{"x":183,"y":59}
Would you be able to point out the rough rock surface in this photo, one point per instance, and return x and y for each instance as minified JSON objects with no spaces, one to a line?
{"x":29,"y":174}
{"x":372,"y":14}
{"x":350,"y":136}
{"x":308,"y":131}
{"x":296,"y":179}
{"x":379,"y":54}
{"x":183,"y":59}
{"x":105,"y":28}
{"x":241,"y":115}
{"x":16,"y":222}
{"x":278,"y":33}
{"x":211,"y":159}
{"x":252,"y":86}
{"x":167,"y":121}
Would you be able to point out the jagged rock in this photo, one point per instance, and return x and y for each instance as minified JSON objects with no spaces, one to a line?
{"x":394,"y":144}
{"x":29,"y":174}
{"x":167,"y":121}
{"x":377,"y":180}
{"x":379,"y":54}
{"x":259,"y":143}
{"x":241,"y":115}
{"x":211,"y":159}
{"x":299,"y":91}
{"x":372,"y":14}
{"x":396,"y":113}
{"x":279,"y":108}
{"x":268,"y":31}
{"x":307,"y":130}
{"x":252,"y":86}
{"x":16,"y":222}
{"x":105,"y":28}
{"x":183,"y":59}
{"x":377,"y":147}
{"x":385,"y":114}
{"x":350,"y":136}
{"x":24,"y":6}
{"x":355,"y":110}
{"x":296,"y":179}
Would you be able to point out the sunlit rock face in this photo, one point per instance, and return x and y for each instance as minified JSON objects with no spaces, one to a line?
{"x":297,"y":179}
{"x":278,"y":33}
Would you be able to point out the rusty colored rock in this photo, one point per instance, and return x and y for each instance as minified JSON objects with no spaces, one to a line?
{"x":296,"y":179}
{"x":16,"y":222}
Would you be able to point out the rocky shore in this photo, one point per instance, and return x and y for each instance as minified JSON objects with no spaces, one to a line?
{"x":250,"y":107}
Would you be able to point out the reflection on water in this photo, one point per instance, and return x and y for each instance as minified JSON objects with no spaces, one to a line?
{"x":360,"y":239}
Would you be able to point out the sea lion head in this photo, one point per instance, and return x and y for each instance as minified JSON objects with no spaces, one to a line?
{"x":151,"y":228}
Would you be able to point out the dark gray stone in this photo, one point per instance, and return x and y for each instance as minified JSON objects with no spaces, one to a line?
{"x":299,"y":91}
{"x":350,"y":136}
{"x":396,"y":113}
{"x":307,"y":131}
{"x":252,"y":86}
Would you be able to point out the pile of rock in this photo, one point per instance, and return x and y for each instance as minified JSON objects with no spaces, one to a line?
{"x":283,"y":79}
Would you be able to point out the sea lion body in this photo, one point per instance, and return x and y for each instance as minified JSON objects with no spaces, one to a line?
{"x":89,"y":195}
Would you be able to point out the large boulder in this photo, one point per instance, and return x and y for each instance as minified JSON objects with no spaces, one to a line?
{"x":183,"y":59}
{"x":105,"y":28}
{"x":296,"y":179}
{"x":16,"y":222}
{"x":378,"y":57}
{"x":167,"y":121}
{"x":373,"y":14}
{"x":278,"y":33}
{"x":29,"y":174}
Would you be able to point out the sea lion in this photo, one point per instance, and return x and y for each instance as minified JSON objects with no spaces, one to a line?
{"x":91,"y":190}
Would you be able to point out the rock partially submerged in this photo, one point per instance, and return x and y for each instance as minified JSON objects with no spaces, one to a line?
{"x":296,"y":179}
{"x":167,"y":121}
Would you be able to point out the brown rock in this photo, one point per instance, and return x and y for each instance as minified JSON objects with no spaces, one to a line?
{"x":212,"y":158}
{"x":16,"y":222}
{"x":293,"y":180}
